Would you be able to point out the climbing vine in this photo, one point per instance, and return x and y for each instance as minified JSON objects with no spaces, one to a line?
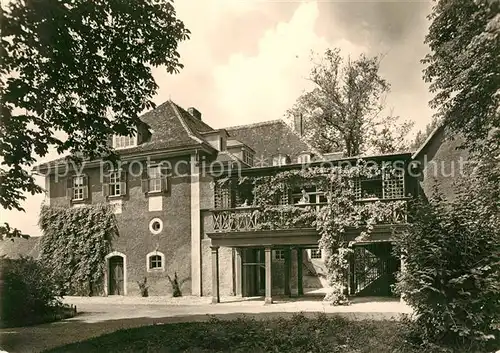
{"x":332,"y":219}
{"x":74,"y":244}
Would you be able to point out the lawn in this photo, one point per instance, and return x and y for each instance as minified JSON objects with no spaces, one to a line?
{"x":298,"y":334}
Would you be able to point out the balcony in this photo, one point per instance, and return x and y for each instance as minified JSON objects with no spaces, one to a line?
{"x":298,"y":216}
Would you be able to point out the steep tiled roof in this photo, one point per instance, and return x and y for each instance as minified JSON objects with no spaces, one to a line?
{"x":170,"y":127}
{"x":271,"y":138}
{"x":13,"y":249}
{"x":196,"y":125}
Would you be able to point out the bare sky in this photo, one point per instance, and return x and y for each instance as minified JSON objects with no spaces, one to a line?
{"x":247,"y":60}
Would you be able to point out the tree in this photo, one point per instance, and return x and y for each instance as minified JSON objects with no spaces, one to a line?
{"x":462,"y":67}
{"x":451,"y":276}
{"x":344,"y":111}
{"x":464,"y":38}
{"x":78,"y":68}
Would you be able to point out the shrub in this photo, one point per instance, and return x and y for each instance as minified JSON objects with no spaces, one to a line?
{"x":29,"y":291}
{"x":176,"y":287}
{"x":451,"y":273}
{"x":143,"y":287}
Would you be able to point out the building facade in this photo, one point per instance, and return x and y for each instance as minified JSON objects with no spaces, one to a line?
{"x":173,"y":218}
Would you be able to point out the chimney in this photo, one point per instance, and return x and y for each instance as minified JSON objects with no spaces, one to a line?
{"x":299,"y":124}
{"x":194,"y":112}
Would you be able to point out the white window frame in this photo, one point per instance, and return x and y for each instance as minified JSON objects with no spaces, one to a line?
{"x":124,"y":141}
{"x":279,"y":160}
{"x":304,"y":158}
{"x":155,"y":178}
{"x":148,"y":263}
{"x":313,"y":253}
{"x":155,"y":231}
{"x":248,"y":157}
{"x":78,"y":188}
{"x":115,"y":183}
{"x":279,"y":254}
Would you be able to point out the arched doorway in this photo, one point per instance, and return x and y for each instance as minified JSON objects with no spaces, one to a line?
{"x":116,"y":270}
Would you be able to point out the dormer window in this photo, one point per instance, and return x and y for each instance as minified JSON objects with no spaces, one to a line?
{"x":281,"y":159}
{"x":248,"y":157}
{"x":121,"y":142}
{"x":304,"y":158}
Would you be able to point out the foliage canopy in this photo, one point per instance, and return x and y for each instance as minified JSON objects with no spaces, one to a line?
{"x":345,"y":109}
{"x":73,"y":73}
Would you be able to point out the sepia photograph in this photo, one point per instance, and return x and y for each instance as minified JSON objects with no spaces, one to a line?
{"x":278,"y":176}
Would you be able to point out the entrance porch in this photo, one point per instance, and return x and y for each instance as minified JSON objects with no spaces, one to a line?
{"x":289,"y":264}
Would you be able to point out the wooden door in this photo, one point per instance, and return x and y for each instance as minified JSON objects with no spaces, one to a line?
{"x":116,"y":275}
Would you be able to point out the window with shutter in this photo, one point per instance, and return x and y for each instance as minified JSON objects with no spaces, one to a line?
{"x":155,"y":179}
{"x":115,"y":184}
{"x":79,"y":188}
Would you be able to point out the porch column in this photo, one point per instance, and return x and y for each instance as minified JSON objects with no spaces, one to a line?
{"x":401,"y":298}
{"x":287,"y":271}
{"x":269,"y":283}
{"x":299,"y":272}
{"x":294,"y":271}
{"x":238,"y":270}
{"x":215,"y":275}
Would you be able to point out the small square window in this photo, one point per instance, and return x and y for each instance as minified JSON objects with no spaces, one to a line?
{"x":279,"y":254}
{"x":155,"y":261}
{"x":316,"y":254}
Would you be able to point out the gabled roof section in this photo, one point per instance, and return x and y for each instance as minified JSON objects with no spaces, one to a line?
{"x":171,"y":128}
{"x":169,"y":125}
{"x":271,"y":138}
{"x":196,"y":126}
{"x":428,"y":140}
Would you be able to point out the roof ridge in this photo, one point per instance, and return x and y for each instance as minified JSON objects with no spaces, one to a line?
{"x":190,"y":133}
{"x":262,"y":123}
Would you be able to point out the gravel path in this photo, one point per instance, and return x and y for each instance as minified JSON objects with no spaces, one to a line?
{"x":101,"y":315}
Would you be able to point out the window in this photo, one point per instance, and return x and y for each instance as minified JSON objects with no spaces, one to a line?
{"x":79,"y":188}
{"x":368,"y":188}
{"x":280,"y":160}
{"x":120,"y":142}
{"x":155,"y":226}
{"x":248,"y":157}
{"x":154,"y":176}
{"x":155,"y":261}
{"x":304,"y":158}
{"x":279,"y":254}
{"x":316,"y":254}
{"x":115,"y":186}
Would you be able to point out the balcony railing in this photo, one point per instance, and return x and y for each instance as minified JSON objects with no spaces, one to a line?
{"x":296,"y":216}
